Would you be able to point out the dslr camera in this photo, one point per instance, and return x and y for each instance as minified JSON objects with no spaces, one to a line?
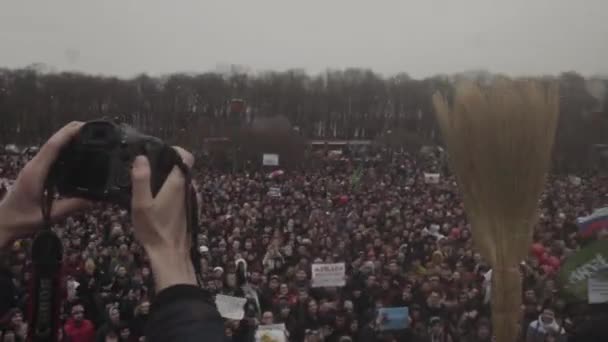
{"x":97,"y":163}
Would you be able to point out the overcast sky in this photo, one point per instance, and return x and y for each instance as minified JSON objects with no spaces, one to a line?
{"x":420,"y":37}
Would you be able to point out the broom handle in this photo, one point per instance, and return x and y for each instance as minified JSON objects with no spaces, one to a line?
{"x":506,"y":302}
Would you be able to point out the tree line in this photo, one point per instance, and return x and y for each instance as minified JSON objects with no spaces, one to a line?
{"x":336,"y":104}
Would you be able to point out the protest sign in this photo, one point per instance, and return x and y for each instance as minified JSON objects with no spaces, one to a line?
{"x":393,"y":318}
{"x":271,"y":333}
{"x":597,"y":289}
{"x":270,"y":159}
{"x":230,"y":307}
{"x":581,"y":266}
{"x":431,"y":178}
{"x":328,"y":275}
{"x":274,"y":192}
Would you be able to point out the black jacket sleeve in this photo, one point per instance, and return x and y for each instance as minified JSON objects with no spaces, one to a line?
{"x":184,"y":313}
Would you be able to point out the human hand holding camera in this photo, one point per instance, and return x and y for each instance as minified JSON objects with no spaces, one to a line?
{"x":20,"y":213}
{"x":103,"y":161}
{"x":160,"y":223}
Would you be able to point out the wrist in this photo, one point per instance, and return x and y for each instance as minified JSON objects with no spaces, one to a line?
{"x":171,"y":268}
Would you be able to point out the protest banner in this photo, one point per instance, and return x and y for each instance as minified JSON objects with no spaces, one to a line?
{"x":271,"y":333}
{"x":597,"y":289}
{"x":274,"y":191}
{"x":270,"y":159}
{"x":230,"y":307}
{"x":578,"y":268}
{"x":393,"y":318}
{"x":598,"y":220}
{"x":328,"y":275}
{"x":431,"y":178}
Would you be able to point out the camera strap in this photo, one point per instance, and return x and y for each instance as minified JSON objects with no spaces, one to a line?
{"x":47,"y":255}
{"x":192,"y":221}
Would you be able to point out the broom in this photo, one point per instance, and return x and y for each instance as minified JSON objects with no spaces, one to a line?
{"x":499,"y":139}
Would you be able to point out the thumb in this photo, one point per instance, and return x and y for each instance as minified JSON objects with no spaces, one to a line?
{"x":140,"y":179}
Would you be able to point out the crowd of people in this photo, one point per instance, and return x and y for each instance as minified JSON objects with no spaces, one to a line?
{"x":405,"y":242}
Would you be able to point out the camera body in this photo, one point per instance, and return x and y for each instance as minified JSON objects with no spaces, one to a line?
{"x":97,"y":163}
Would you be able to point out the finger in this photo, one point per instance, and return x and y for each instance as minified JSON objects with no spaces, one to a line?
{"x":140,"y":180}
{"x":50,"y":150}
{"x":67,"y":206}
{"x":187,"y":157}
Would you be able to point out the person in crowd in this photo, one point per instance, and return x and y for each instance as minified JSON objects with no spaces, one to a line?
{"x":77,"y":328}
{"x":545,"y":327}
{"x":111,"y":324}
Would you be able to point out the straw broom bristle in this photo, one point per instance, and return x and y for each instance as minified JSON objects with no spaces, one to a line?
{"x":499,"y":141}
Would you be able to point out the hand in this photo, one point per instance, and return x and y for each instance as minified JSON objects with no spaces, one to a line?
{"x":20,"y":212}
{"x":160,"y":223}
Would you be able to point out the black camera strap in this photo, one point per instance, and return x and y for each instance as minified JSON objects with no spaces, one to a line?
{"x":192,"y":221}
{"x":47,"y":255}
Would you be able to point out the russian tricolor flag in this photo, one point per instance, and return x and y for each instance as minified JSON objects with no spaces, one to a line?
{"x":588,"y":225}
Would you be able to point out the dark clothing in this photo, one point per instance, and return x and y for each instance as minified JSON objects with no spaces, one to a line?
{"x":184,"y":313}
{"x":367,"y":334}
{"x":103,"y":330}
{"x":86,"y":292}
{"x":138,"y":324}
{"x":127,"y":309}
{"x":8,"y":292}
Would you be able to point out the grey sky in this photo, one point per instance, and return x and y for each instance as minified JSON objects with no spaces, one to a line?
{"x":420,"y":37}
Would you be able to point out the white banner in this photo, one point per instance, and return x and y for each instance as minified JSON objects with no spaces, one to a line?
{"x":274,"y":192}
{"x":597,"y":289}
{"x":271,"y":333}
{"x":231,"y":307}
{"x":431,"y":178}
{"x":328,"y":275}
{"x":270,"y":159}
